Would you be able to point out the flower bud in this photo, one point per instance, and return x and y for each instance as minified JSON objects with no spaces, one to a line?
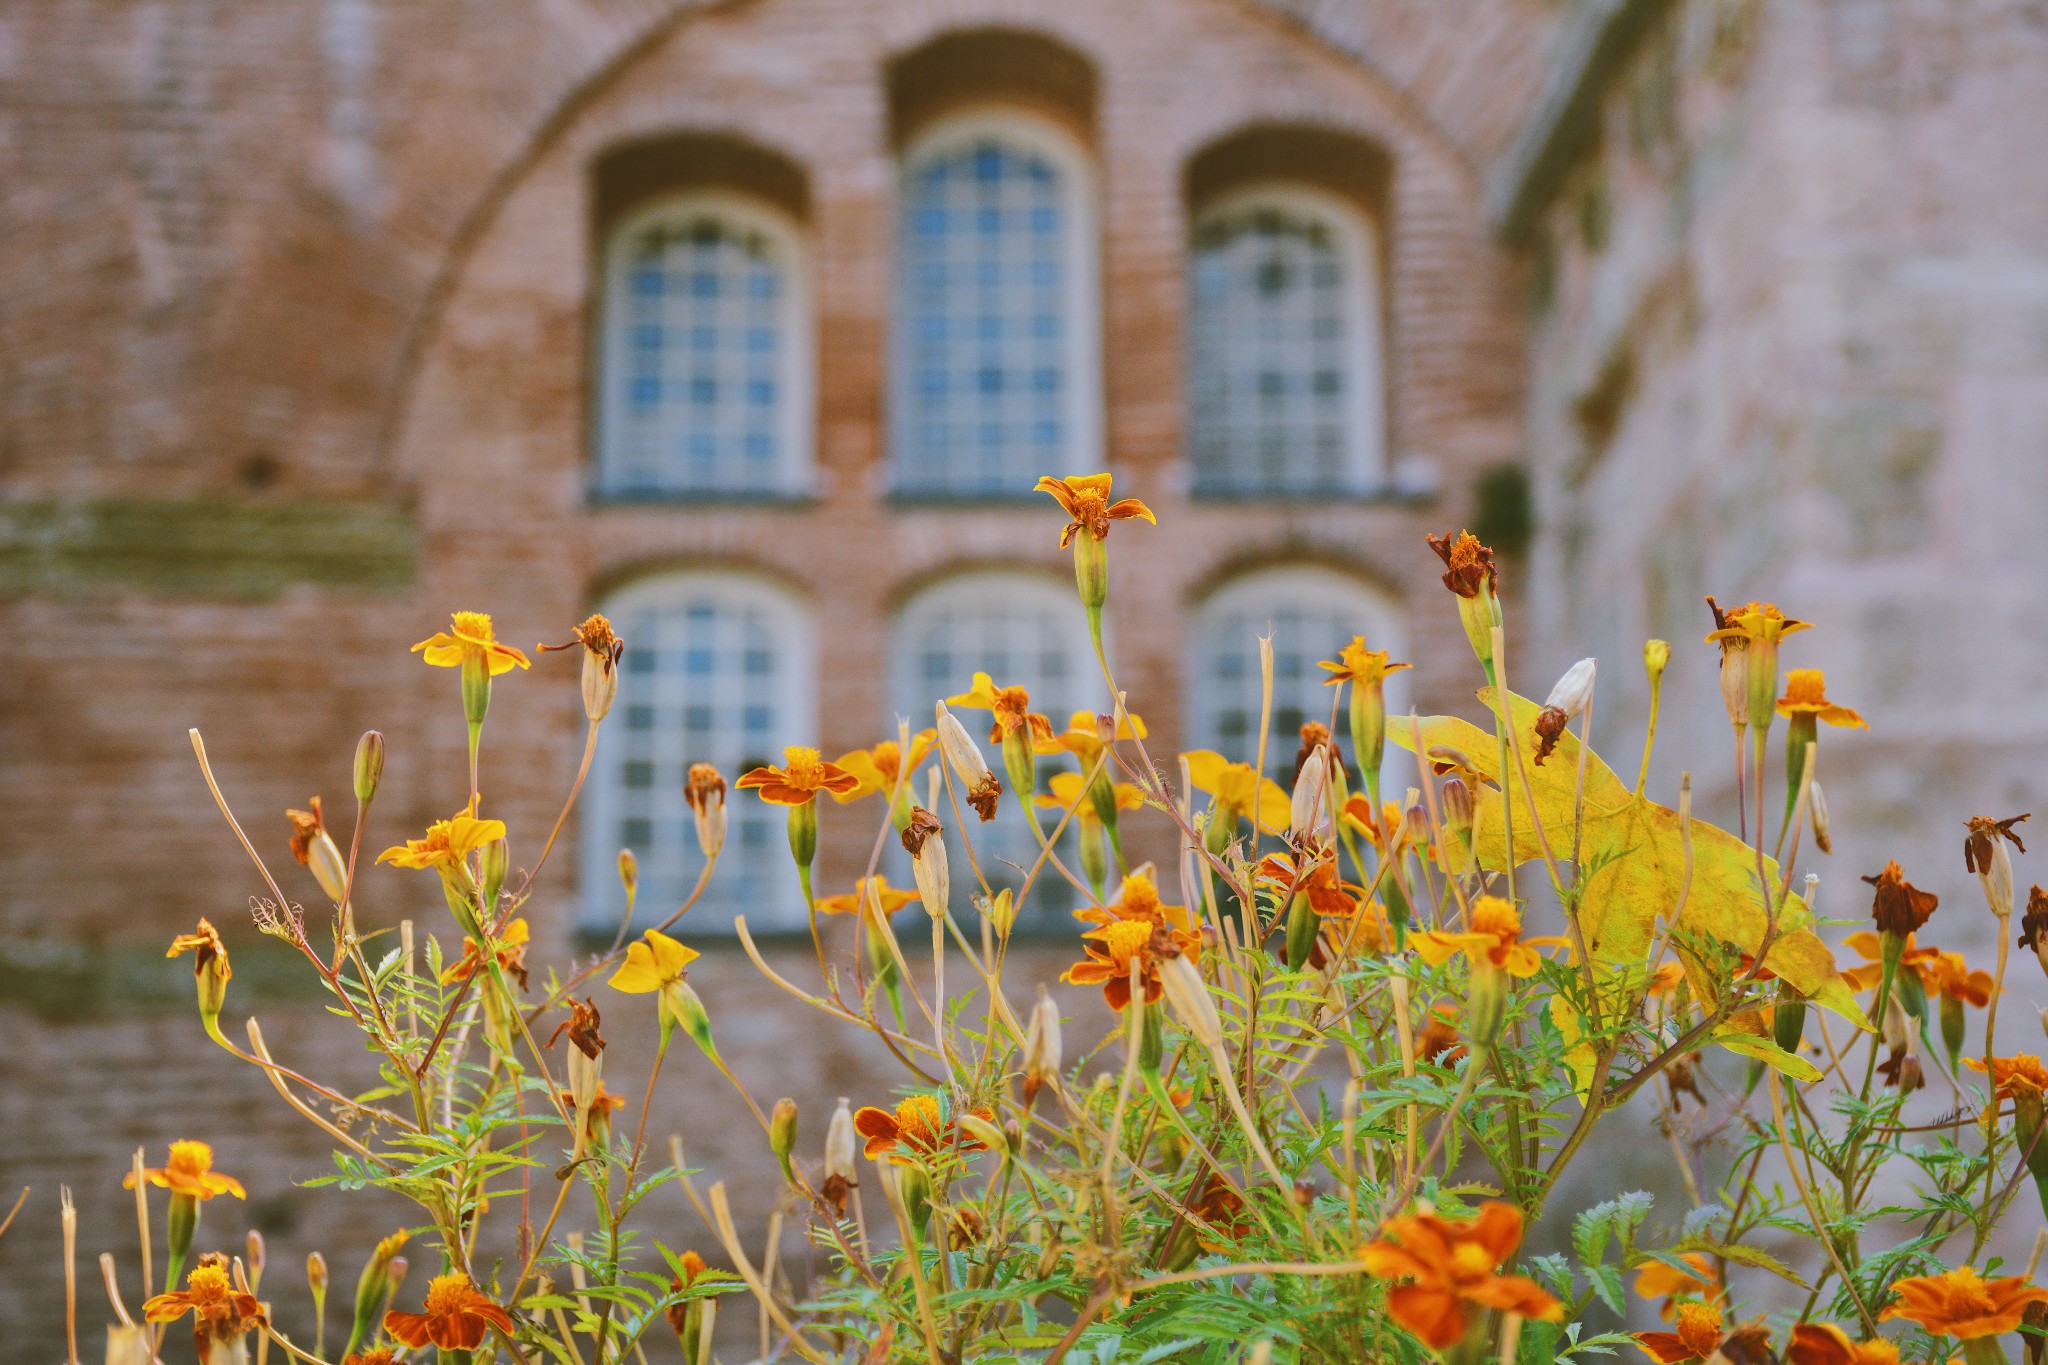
{"x":705,"y":791}
{"x":374,"y":1286}
{"x":1189,"y":996}
{"x":1486,"y":1004}
{"x":841,"y":1144}
{"x":984,"y":1132}
{"x":782,"y":1135}
{"x":1415,"y":820}
{"x":1817,"y":813}
{"x":687,"y":1009}
{"x":629,"y":876}
{"x":254,"y":1258}
{"x":914,"y":1187}
{"x":1151,"y":1026}
{"x":1656,"y":654}
{"x":1575,"y":688}
{"x":1788,"y":1018}
{"x":494,"y":860}
{"x":399,"y":1265}
{"x":316,"y":1274}
{"x":369,"y":769}
{"x":1001,"y":910}
{"x":1041,"y":1047}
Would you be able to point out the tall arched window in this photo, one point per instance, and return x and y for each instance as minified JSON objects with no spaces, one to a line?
{"x":1023,"y":630}
{"x":996,"y":373}
{"x":704,"y":359}
{"x":1284,"y":385}
{"x":719,"y":668}
{"x":1312,"y":613}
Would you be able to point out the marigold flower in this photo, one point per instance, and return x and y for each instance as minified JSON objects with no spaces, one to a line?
{"x":1899,"y":906}
{"x":1823,"y":1343}
{"x":1959,"y":1303}
{"x":1010,"y":707}
{"x":1439,"y":1042}
{"x":1495,"y":938}
{"x":1920,"y":961}
{"x":1699,"y":1332}
{"x":679,"y":1314}
{"x":1468,"y":565}
{"x":446,"y":842}
{"x":1070,"y":789}
{"x":1663,"y":982}
{"x":1952,"y":978}
{"x":797,"y":783}
{"x":189,"y":1171}
{"x":1087,"y":734}
{"x":510,"y":951}
{"x":1450,"y":1266}
{"x":878,"y":769}
{"x":1114,"y":948}
{"x":916,"y":1129}
{"x":1358,"y":665}
{"x":871,"y":894}
{"x":654,"y":963}
{"x":1754,"y":622}
{"x":1806,"y":694}
{"x":380,"y":1355}
{"x":1138,"y":899}
{"x":1239,"y":792}
{"x":1662,"y":1280}
{"x":1085,"y":499}
{"x":472,"y":637}
{"x":456,"y":1316}
{"x":2012,"y":1077}
{"x":220,"y":1312}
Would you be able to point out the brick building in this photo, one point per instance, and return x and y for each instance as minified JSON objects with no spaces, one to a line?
{"x":752,"y":323}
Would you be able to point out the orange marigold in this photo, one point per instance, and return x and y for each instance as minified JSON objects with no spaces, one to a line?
{"x":917,"y":1128}
{"x":797,"y":783}
{"x":1448,"y":1266}
{"x":456,"y":1316}
{"x":1960,"y":1303}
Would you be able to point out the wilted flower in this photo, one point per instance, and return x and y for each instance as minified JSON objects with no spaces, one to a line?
{"x":840,"y":1174}
{"x":1469,"y":571}
{"x":1959,"y":1303}
{"x":314,"y":847}
{"x":1041,"y":1061}
{"x":456,"y":1317}
{"x":586,"y":1053}
{"x":602,"y":650}
{"x":1085,"y":499}
{"x":2034,"y":925}
{"x":1309,"y":807}
{"x":1984,"y":854}
{"x":917,"y":1128}
{"x":1901,"y":1070}
{"x":704,"y":792}
{"x":1899,"y":907}
{"x":210,"y":972}
{"x":1450,"y":1267}
{"x":1010,"y":709}
{"x":797,"y":783}
{"x":221,"y":1314}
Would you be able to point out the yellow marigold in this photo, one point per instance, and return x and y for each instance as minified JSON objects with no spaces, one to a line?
{"x":1806,"y":694}
{"x":220,"y":1311}
{"x":1357,"y":664}
{"x":1137,"y":899}
{"x":1959,"y":1303}
{"x":1699,"y":1329}
{"x":1238,"y":791}
{"x":189,"y":1171}
{"x":1754,"y":621}
{"x":2012,"y":1076}
{"x":797,"y":783}
{"x":1085,"y":499}
{"x":446,"y":842}
{"x":653,"y":963}
{"x":471,"y":637}
{"x":1494,"y":938}
{"x":878,"y":769}
{"x":1010,"y":706}
{"x":511,"y":954}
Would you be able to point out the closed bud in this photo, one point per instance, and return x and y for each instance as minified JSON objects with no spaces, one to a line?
{"x":841,"y":1143}
{"x":316,"y":1274}
{"x":374,"y":1286}
{"x":984,"y":1132}
{"x":369,"y":768}
{"x":782,"y":1135}
{"x":399,"y":1265}
{"x":1189,"y":996}
{"x":687,"y":1009}
{"x":1042,"y":1047}
{"x":705,"y":791}
{"x":629,"y":875}
{"x":1575,"y":688}
{"x":1656,"y":654}
{"x":254,"y":1257}
{"x":915,"y":1189}
{"x":494,"y":860}
{"x":1817,"y":812}
{"x":1301,"y":933}
{"x":1415,"y":821}
{"x":1788,"y":1018}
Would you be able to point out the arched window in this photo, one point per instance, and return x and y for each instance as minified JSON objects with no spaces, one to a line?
{"x":996,"y":373}
{"x":1023,"y":630}
{"x":704,"y":360}
{"x":1284,"y":385}
{"x":719,"y":668}
{"x":1312,"y":613}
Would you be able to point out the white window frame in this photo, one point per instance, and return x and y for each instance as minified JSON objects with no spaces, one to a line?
{"x":796,"y":417}
{"x":795,"y":688}
{"x":1358,"y":236}
{"x":1369,"y":611}
{"x":1083,"y":389}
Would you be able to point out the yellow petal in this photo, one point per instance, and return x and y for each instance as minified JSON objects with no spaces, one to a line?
{"x":639,"y":975}
{"x":669,"y":956}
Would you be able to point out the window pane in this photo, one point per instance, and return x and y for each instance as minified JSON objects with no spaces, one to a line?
{"x":1272,"y":355}
{"x":716,"y":670}
{"x":1311,"y":614}
{"x":694,"y":369}
{"x":1023,"y":631}
{"x":985,"y":280}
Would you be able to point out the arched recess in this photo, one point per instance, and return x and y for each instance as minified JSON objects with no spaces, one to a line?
{"x":720,"y":667}
{"x":1312,"y":611}
{"x":1286,"y":385}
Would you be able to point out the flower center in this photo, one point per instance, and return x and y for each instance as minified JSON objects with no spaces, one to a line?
{"x":806,"y":768}
{"x":208,"y":1285}
{"x":448,"y":1294}
{"x":475,"y":624}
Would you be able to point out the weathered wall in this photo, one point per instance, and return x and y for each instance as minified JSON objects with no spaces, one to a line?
{"x":1790,"y":341}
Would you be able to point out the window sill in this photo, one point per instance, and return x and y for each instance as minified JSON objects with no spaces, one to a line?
{"x":709,"y":501}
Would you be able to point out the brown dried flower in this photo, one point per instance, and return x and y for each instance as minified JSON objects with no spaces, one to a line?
{"x":1899,"y":907}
